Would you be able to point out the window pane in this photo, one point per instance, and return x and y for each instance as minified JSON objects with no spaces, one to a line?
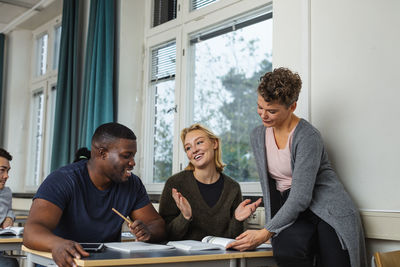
{"x":164,"y":109}
{"x":38,"y":108}
{"x":163,"y":11}
{"x":49,"y":130}
{"x":227,"y":69}
{"x":57,"y":39}
{"x":197,"y":4}
{"x":42,"y":54}
{"x":163,"y":66}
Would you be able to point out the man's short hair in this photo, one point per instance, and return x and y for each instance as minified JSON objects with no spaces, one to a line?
{"x":111,"y":131}
{"x":5,"y":154}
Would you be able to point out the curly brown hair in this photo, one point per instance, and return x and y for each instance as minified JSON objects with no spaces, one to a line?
{"x":281,"y":85}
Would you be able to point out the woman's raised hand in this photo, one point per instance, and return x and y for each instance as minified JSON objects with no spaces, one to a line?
{"x":245,"y":209}
{"x":182,"y":204}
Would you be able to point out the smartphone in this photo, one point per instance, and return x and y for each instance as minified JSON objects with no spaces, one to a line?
{"x":92,"y":247}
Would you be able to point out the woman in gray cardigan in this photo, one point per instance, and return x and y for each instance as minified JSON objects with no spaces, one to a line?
{"x":309,"y":215}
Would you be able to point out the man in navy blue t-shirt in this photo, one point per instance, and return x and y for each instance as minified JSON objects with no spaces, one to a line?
{"x":74,"y":203}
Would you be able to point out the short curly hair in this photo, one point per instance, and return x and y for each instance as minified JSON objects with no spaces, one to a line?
{"x":280,"y":85}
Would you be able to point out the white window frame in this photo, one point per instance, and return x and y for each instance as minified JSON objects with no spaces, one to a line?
{"x":47,"y":82}
{"x":180,"y":29}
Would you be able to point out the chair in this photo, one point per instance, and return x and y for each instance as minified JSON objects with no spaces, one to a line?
{"x":387,"y":259}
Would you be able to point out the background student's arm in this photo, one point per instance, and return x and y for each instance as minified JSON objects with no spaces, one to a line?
{"x":148,"y":224}
{"x":9,"y":216}
{"x":8,"y":221}
{"x":42,"y":220}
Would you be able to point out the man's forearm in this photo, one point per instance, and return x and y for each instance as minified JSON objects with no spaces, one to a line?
{"x":39,"y":237}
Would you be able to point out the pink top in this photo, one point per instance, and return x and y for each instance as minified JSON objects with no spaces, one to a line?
{"x":279,"y":163}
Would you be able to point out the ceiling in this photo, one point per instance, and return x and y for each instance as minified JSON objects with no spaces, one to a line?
{"x":21,"y":15}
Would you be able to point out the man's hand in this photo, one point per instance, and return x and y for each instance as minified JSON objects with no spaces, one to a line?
{"x":245,"y":209}
{"x":140,"y":230}
{"x":65,"y":251}
{"x":182,"y":204}
{"x":250,"y":239}
{"x":7,"y":222}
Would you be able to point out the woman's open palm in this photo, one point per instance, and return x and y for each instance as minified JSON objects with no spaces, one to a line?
{"x":182,"y":203}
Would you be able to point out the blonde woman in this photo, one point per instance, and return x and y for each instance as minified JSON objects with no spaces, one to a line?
{"x":202,"y":200}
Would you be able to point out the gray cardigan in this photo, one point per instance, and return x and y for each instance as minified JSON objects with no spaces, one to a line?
{"x":315,"y":185}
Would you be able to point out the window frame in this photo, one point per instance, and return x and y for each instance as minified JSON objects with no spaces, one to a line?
{"x":47,"y":81}
{"x":186,"y":24}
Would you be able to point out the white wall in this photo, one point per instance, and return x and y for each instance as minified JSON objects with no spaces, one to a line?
{"x":131,"y":52}
{"x":355,"y":90}
{"x":355,"y":63}
{"x":16,"y":117}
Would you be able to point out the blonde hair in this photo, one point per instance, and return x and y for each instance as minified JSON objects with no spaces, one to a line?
{"x":217,"y":152}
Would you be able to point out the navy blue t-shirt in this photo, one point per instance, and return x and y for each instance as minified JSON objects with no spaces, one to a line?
{"x":87,"y":211}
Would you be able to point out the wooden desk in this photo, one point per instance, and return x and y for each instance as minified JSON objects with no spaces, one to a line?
{"x":10,"y":242}
{"x":165,"y":258}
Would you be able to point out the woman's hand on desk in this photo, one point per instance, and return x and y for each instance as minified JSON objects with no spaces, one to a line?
{"x":65,"y":251}
{"x":245,"y":209}
{"x":140,"y":230}
{"x":182,"y":203}
{"x":250,"y":239}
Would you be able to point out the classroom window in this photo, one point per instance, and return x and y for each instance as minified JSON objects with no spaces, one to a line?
{"x":228,"y":62}
{"x":37,"y":127}
{"x":197,"y":4}
{"x":56,"y":46}
{"x":43,"y":99}
{"x":163,"y":84}
{"x":163,"y":11}
{"x":41,"y":51}
{"x":221,"y":52}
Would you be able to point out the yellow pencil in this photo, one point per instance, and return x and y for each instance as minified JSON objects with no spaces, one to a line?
{"x":122,"y":216}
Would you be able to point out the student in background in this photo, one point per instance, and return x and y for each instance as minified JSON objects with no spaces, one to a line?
{"x":82,"y":154}
{"x":74,"y":203}
{"x":202,"y":200}
{"x":308,"y":211}
{"x":7,"y":217}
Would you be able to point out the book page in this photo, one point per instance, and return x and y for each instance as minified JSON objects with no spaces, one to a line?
{"x":136,"y":246}
{"x":194,"y":245}
{"x":12,"y":230}
{"x":222,"y":241}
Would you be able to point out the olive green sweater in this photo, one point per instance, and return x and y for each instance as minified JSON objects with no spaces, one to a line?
{"x":218,"y":220}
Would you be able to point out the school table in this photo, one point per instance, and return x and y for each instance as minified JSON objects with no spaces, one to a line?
{"x":10,"y":242}
{"x":163,"y":258}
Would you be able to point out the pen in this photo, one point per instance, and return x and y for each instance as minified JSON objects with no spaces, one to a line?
{"x":122,"y":216}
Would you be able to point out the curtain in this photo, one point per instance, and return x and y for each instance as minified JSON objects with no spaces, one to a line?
{"x":67,"y":100}
{"x":97,"y":98}
{"x":2,"y":38}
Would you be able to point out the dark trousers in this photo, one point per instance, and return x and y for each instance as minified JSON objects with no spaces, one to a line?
{"x":310,"y":241}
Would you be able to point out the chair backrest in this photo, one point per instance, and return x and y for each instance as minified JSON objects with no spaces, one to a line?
{"x":387,"y":259}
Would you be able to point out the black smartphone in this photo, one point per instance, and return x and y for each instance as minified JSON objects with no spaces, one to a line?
{"x":92,"y":247}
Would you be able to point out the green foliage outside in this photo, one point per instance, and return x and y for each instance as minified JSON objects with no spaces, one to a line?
{"x":230,"y":112}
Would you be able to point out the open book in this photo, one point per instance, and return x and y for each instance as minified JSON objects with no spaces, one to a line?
{"x":12,"y":230}
{"x":136,"y":246}
{"x":207,"y":243}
